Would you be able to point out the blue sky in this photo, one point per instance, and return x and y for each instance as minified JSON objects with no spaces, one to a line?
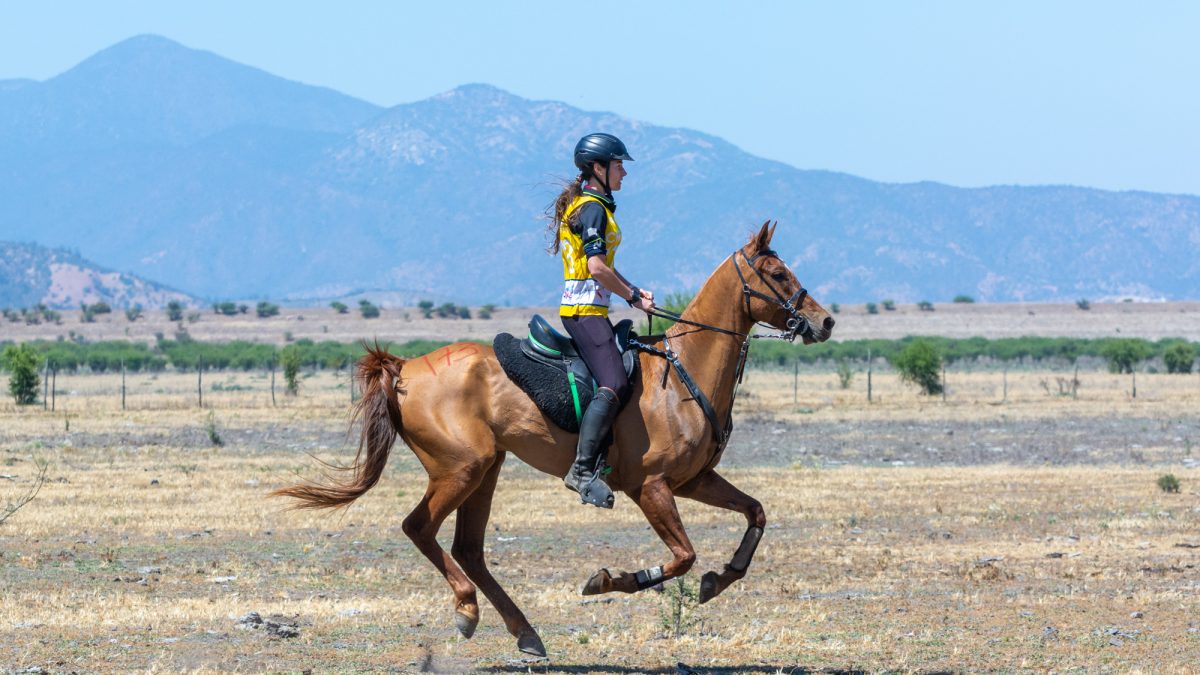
{"x":968,"y":93}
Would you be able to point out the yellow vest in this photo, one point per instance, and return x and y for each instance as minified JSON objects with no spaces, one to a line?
{"x":582,"y":294}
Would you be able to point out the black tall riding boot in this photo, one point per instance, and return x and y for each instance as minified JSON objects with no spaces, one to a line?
{"x":584,"y":476}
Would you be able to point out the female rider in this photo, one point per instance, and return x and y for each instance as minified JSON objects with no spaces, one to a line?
{"x":588,"y":237}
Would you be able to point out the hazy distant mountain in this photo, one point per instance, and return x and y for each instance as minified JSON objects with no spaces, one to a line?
{"x":61,"y":279}
{"x":226,"y":181}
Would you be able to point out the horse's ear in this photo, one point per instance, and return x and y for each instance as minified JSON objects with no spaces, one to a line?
{"x":771,"y":234}
{"x":762,"y":241}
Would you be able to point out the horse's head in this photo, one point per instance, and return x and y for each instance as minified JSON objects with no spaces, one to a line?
{"x":772,"y":293}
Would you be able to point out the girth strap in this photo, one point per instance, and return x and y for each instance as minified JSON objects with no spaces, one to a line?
{"x":720,"y":434}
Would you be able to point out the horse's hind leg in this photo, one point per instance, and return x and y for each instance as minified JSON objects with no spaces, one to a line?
{"x":469,"y":532}
{"x":442,"y":496}
{"x":658,"y":504}
{"x":710,"y":488}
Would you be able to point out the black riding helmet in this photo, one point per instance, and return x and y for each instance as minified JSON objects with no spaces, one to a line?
{"x":602,"y":148}
{"x":599,"y":147}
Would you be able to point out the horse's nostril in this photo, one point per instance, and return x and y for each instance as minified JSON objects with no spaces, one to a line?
{"x":829,"y":323}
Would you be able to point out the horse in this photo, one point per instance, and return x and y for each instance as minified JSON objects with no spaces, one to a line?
{"x":461,"y":415}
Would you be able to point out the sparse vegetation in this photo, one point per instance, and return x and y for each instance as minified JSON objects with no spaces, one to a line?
{"x":1083,"y":303}
{"x":888,"y":305}
{"x":290,"y":359}
{"x":1168,"y":483}
{"x":485,"y":312}
{"x":964,"y":299}
{"x":368,"y":310}
{"x":426,"y":307}
{"x":925,"y":306}
{"x":872,"y":308}
{"x":225,"y":308}
{"x":10,"y":508}
{"x":88,"y":313}
{"x":920,"y":364}
{"x":175,"y":310}
{"x":339,"y":307}
{"x":266,"y":309}
{"x":210,"y":427}
{"x":21,"y":362}
{"x":680,"y":599}
{"x":1179,"y":357}
{"x":844,"y":373}
{"x":133,"y":313}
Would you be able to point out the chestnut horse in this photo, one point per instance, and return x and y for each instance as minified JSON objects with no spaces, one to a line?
{"x":460,"y":414}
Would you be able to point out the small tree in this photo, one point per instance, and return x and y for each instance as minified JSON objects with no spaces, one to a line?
{"x":21,"y":363}
{"x":964,"y":299}
{"x":464,"y":312}
{"x":174,"y":311}
{"x":368,"y":310}
{"x":1084,"y":304}
{"x":265,"y":309}
{"x":844,"y":373}
{"x":485,"y":312}
{"x":920,"y":363}
{"x":339,"y":307}
{"x":1123,"y":355}
{"x":1179,"y":358}
{"x":925,"y":306}
{"x":888,"y":305}
{"x":835,"y":308}
{"x":426,"y":307}
{"x":133,"y":313}
{"x":290,"y":359}
{"x":872,"y":308}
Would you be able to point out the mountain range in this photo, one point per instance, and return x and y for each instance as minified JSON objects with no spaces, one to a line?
{"x":207,"y":175}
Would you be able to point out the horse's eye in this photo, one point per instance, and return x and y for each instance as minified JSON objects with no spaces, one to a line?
{"x":779,"y":276}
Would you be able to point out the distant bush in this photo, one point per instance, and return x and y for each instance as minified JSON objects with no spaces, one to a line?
{"x":1179,"y":358}
{"x":133,"y":313}
{"x":265,"y":309}
{"x":339,"y":307}
{"x":21,"y":362}
{"x":920,"y":364}
{"x":844,"y":373}
{"x":872,"y":308}
{"x":291,"y":369}
{"x":1168,"y":483}
{"x":888,"y":305}
{"x":464,"y":312}
{"x":225,"y":308}
{"x":925,"y":306}
{"x":964,"y":299}
{"x":1122,"y":355}
{"x":174,"y":311}
{"x":835,"y":308}
{"x":447,"y":311}
{"x":426,"y":307}
{"x":368,"y":310}
{"x":1083,"y":304}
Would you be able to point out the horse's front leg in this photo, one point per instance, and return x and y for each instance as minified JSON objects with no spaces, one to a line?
{"x":710,"y":488}
{"x":658,"y":504}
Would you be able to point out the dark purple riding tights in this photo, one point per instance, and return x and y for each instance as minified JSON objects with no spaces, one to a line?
{"x":593,"y":336}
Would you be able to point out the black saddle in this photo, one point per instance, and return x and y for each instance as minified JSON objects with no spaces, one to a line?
{"x":547,"y":366}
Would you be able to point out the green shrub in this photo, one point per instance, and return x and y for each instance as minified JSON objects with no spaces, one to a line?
{"x":426,"y":307}
{"x":872,"y":308}
{"x":174,"y":311}
{"x":21,"y":362}
{"x":1123,"y":354}
{"x":464,"y":312}
{"x":368,"y":310}
{"x":835,"y":308}
{"x":265,"y":309}
{"x":964,"y":299}
{"x":225,"y":308}
{"x":133,"y":313}
{"x":1083,"y":304}
{"x":844,"y":373}
{"x":447,"y":310}
{"x":925,"y":306}
{"x":1179,"y":358}
{"x":339,"y":307}
{"x":888,"y":305}
{"x":920,"y":364}
{"x":1168,"y":483}
{"x":291,"y":369}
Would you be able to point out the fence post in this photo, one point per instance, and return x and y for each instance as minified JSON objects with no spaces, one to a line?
{"x":1133,"y":371}
{"x":46,"y":384}
{"x":868,"y":375}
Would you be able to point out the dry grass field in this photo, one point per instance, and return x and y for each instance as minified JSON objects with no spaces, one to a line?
{"x":1152,"y":320}
{"x":909,"y":534}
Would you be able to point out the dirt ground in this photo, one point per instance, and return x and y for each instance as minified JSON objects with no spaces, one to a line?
{"x":1150,"y":320}
{"x":1001,"y":529}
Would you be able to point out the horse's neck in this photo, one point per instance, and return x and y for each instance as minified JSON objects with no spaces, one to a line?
{"x":711,"y":357}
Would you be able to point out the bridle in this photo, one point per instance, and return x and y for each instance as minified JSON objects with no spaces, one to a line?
{"x":796,"y":324}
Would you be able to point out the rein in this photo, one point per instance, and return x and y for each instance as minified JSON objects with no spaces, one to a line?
{"x":796,"y":324}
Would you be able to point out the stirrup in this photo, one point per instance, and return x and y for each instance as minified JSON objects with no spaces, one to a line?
{"x":591,"y":490}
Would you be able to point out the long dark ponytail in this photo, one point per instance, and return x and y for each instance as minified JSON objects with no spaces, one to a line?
{"x":557,"y":208}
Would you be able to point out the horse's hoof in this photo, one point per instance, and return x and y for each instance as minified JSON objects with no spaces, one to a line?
{"x":466,"y":623}
{"x":708,"y":587}
{"x":530,"y":643}
{"x":601,"y":582}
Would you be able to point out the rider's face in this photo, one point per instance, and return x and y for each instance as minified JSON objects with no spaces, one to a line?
{"x":616,"y":171}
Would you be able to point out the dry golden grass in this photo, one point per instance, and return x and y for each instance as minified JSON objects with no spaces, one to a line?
{"x":979,"y":568}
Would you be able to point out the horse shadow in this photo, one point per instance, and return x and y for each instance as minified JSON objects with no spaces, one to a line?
{"x":678,"y":669}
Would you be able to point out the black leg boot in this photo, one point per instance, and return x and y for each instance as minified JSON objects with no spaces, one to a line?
{"x":584,"y":476}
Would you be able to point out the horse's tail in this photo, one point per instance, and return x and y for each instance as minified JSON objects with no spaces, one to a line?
{"x":378,"y":376}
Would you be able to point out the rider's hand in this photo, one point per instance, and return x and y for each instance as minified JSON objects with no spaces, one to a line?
{"x":646,"y":302}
